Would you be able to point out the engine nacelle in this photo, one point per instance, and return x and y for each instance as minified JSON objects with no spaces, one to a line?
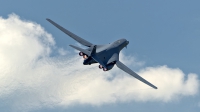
{"x":89,"y":61}
{"x":100,"y":66}
{"x":81,"y":53}
{"x":109,"y":67}
{"x":85,"y":56}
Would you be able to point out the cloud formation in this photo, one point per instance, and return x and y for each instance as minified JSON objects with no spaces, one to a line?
{"x":30,"y":78}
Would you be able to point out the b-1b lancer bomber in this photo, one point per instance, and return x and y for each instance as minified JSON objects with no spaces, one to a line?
{"x":106,"y":55}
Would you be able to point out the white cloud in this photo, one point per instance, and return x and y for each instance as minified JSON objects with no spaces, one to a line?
{"x":62,"y":52}
{"x":30,"y":78}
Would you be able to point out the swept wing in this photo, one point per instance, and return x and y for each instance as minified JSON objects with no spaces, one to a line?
{"x":129,"y":71}
{"x":75,"y":37}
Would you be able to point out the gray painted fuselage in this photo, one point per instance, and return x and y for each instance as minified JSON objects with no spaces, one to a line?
{"x":105,"y":52}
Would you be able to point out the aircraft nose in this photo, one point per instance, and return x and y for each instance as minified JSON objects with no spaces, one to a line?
{"x":127,"y":42}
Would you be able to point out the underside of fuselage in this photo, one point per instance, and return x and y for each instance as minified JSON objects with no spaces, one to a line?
{"x":104,"y":53}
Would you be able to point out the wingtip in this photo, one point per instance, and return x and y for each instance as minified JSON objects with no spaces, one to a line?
{"x":47,"y":19}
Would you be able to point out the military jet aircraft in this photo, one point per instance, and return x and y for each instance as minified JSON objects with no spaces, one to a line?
{"x":106,"y":55}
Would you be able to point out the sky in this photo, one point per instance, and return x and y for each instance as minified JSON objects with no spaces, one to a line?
{"x":39,"y":72}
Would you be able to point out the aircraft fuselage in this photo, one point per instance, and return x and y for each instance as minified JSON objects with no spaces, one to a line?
{"x":105,"y":52}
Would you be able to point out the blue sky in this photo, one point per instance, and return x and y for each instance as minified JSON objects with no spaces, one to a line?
{"x":160,"y":33}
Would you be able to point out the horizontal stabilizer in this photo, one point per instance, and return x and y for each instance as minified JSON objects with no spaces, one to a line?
{"x":90,"y":53}
{"x":82,"y":50}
